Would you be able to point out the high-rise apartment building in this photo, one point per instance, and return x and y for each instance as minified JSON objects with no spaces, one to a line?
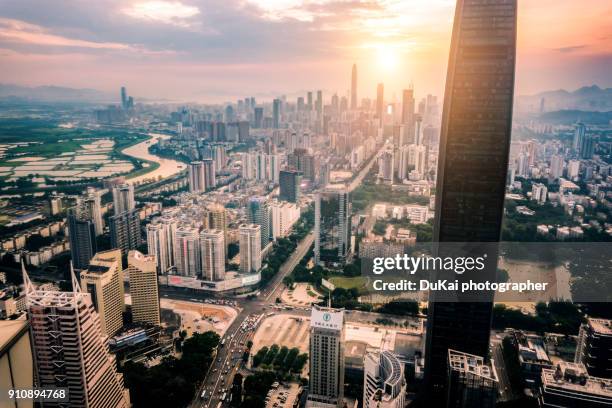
{"x":144,"y":291}
{"x":197,"y":177}
{"x":304,"y":162}
{"x":354,"y":87}
{"x":326,"y":382}
{"x":332,"y":225}
{"x":212,"y":251}
{"x":123,"y":198}
{"x":579,"y":133}
{"x":556,"y":166}
{"x":386,"y":166}
{"x":250,"y":248}
{"x":471,"y":382}
{"x":90,"y":207}
{"x":82,"y":236}
{"x":289,"y":185}
{"x":472,"y":167}
{"x":594,"y":348}
{"x":187,"y":251}
{"x":125,"y":230}
{"x":160,"y":241}
{"x":70,"y":350}
{"x":258,"y":212}
{"x":103,"y":280}
{"x":210,"y":175}
{"x":384,"y":384}
{"x":283,"y":216}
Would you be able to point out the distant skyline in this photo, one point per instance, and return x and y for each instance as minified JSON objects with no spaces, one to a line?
{"x":218,"y":50}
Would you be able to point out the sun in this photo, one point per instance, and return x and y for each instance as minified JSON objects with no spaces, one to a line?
{"x":387,"y":58}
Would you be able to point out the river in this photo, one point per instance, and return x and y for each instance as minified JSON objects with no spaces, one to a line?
{"x":167,"y":167}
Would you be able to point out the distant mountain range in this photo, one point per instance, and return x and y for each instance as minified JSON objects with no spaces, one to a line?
{"x":54,"y":94}
{"x":587,"y":98}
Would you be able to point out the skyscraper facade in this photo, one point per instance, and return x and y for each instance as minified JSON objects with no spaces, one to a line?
{"x":276,"y":106}
{"x":197,"y":177}
{"x":212,"y":251}
{"x":332,"y":225}
{"x":103,"y":280}
{"x":326,"y":382}
{"x":187,"y":251}
{"x":123,"y":198}
{"x":259,"y":213}
{"x":380,"y":103}
{"x":125,"y":231}
{"x":472,"y":166}
{"x":250,"y":248}
{"x":82,"y":235}
{"x":289,"y":185}
{"x":70,"y":350}
{"x":142,"y":274}
{"x":594,"y":348}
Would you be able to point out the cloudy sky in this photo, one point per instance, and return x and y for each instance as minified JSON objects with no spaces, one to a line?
{"x":217,"y":50}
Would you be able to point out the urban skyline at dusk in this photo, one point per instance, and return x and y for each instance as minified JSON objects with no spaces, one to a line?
{"x":216,"y":51}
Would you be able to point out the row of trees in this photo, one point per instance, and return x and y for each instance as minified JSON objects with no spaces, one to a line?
{"x":557,"y":317}
{"x":280,"y":359}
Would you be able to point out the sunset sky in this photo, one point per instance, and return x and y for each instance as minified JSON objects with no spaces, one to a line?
{"x":217,"y":50}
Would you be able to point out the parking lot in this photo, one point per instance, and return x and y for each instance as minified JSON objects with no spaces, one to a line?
{"x":282,"y":396}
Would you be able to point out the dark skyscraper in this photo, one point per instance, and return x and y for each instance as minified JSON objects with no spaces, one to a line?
{"x":258,"y":113}
{"x":289,"y":182}
{"x":380,"y":102}
{"x":354,"y":87}
{"x":309,"y":100}
{"x":82,"y":235}
{"x":125,"y":231}
{"x":276,"y":113}
{"x":472,"y":166}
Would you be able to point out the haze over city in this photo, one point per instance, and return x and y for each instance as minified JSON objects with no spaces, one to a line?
{"x":214,"y":51}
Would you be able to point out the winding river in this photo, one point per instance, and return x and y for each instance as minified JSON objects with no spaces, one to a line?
{"x":167,"y":167}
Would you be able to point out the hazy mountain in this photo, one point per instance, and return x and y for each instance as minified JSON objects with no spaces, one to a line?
{"x":587,"y":98}
{"x":567,"y":117}
{"x":55,"y":94}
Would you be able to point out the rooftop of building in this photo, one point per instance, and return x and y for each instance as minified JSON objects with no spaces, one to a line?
{"x":470,"y":363}
{"x":601,"y":326}
{"x":574,"y":377}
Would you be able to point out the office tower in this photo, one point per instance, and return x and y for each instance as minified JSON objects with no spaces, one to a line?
{"x":124,"y":100}
{"x":123,"y":198}
{"x":70,"y":350}
{"x":103,"y":280}
{"x":569,"y":385}
{"x":210,"y":180}
{"x":258,"y":212}
{"x":587,"y":147}
{"x":332,"y":224}
{"x":471,"y":382}
{"x":385,"y":166}
{"x":212,"y":251}
{"x":82,"y":236}
{"x":157,"y":246}
{"x":284,"y":215}
{"x":319,"y":103}
{"x":217,"y":219}
{"x":380,"y":103}
{"x":90,"y":207}
{"x":125,"y":231}
{"x":594,"y":348}
{"x":309,"y":99}
{"x":276,"y":106}
{"x":579,"y":133}
{"x":408,"y":107}
{"x":300,"y":103}
{"x":258,"y":117}
{"x":142,"y":274}
{"x":522,"y":165}
{"x":326,"y":383}
{"x":573,"y":169}
{"x":289,"y":185}
{"x":472,"y":167}
{"x":417,"y":158}
{"x":303,"y":161}
{"x":384,"y":385}
{"x":197,"y":177}
{"x":187,"y":251}
{"x":16,"y":362}
{"x":250,"y":248}
{"x":556,"y":166}
{"x":354,"y":87}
